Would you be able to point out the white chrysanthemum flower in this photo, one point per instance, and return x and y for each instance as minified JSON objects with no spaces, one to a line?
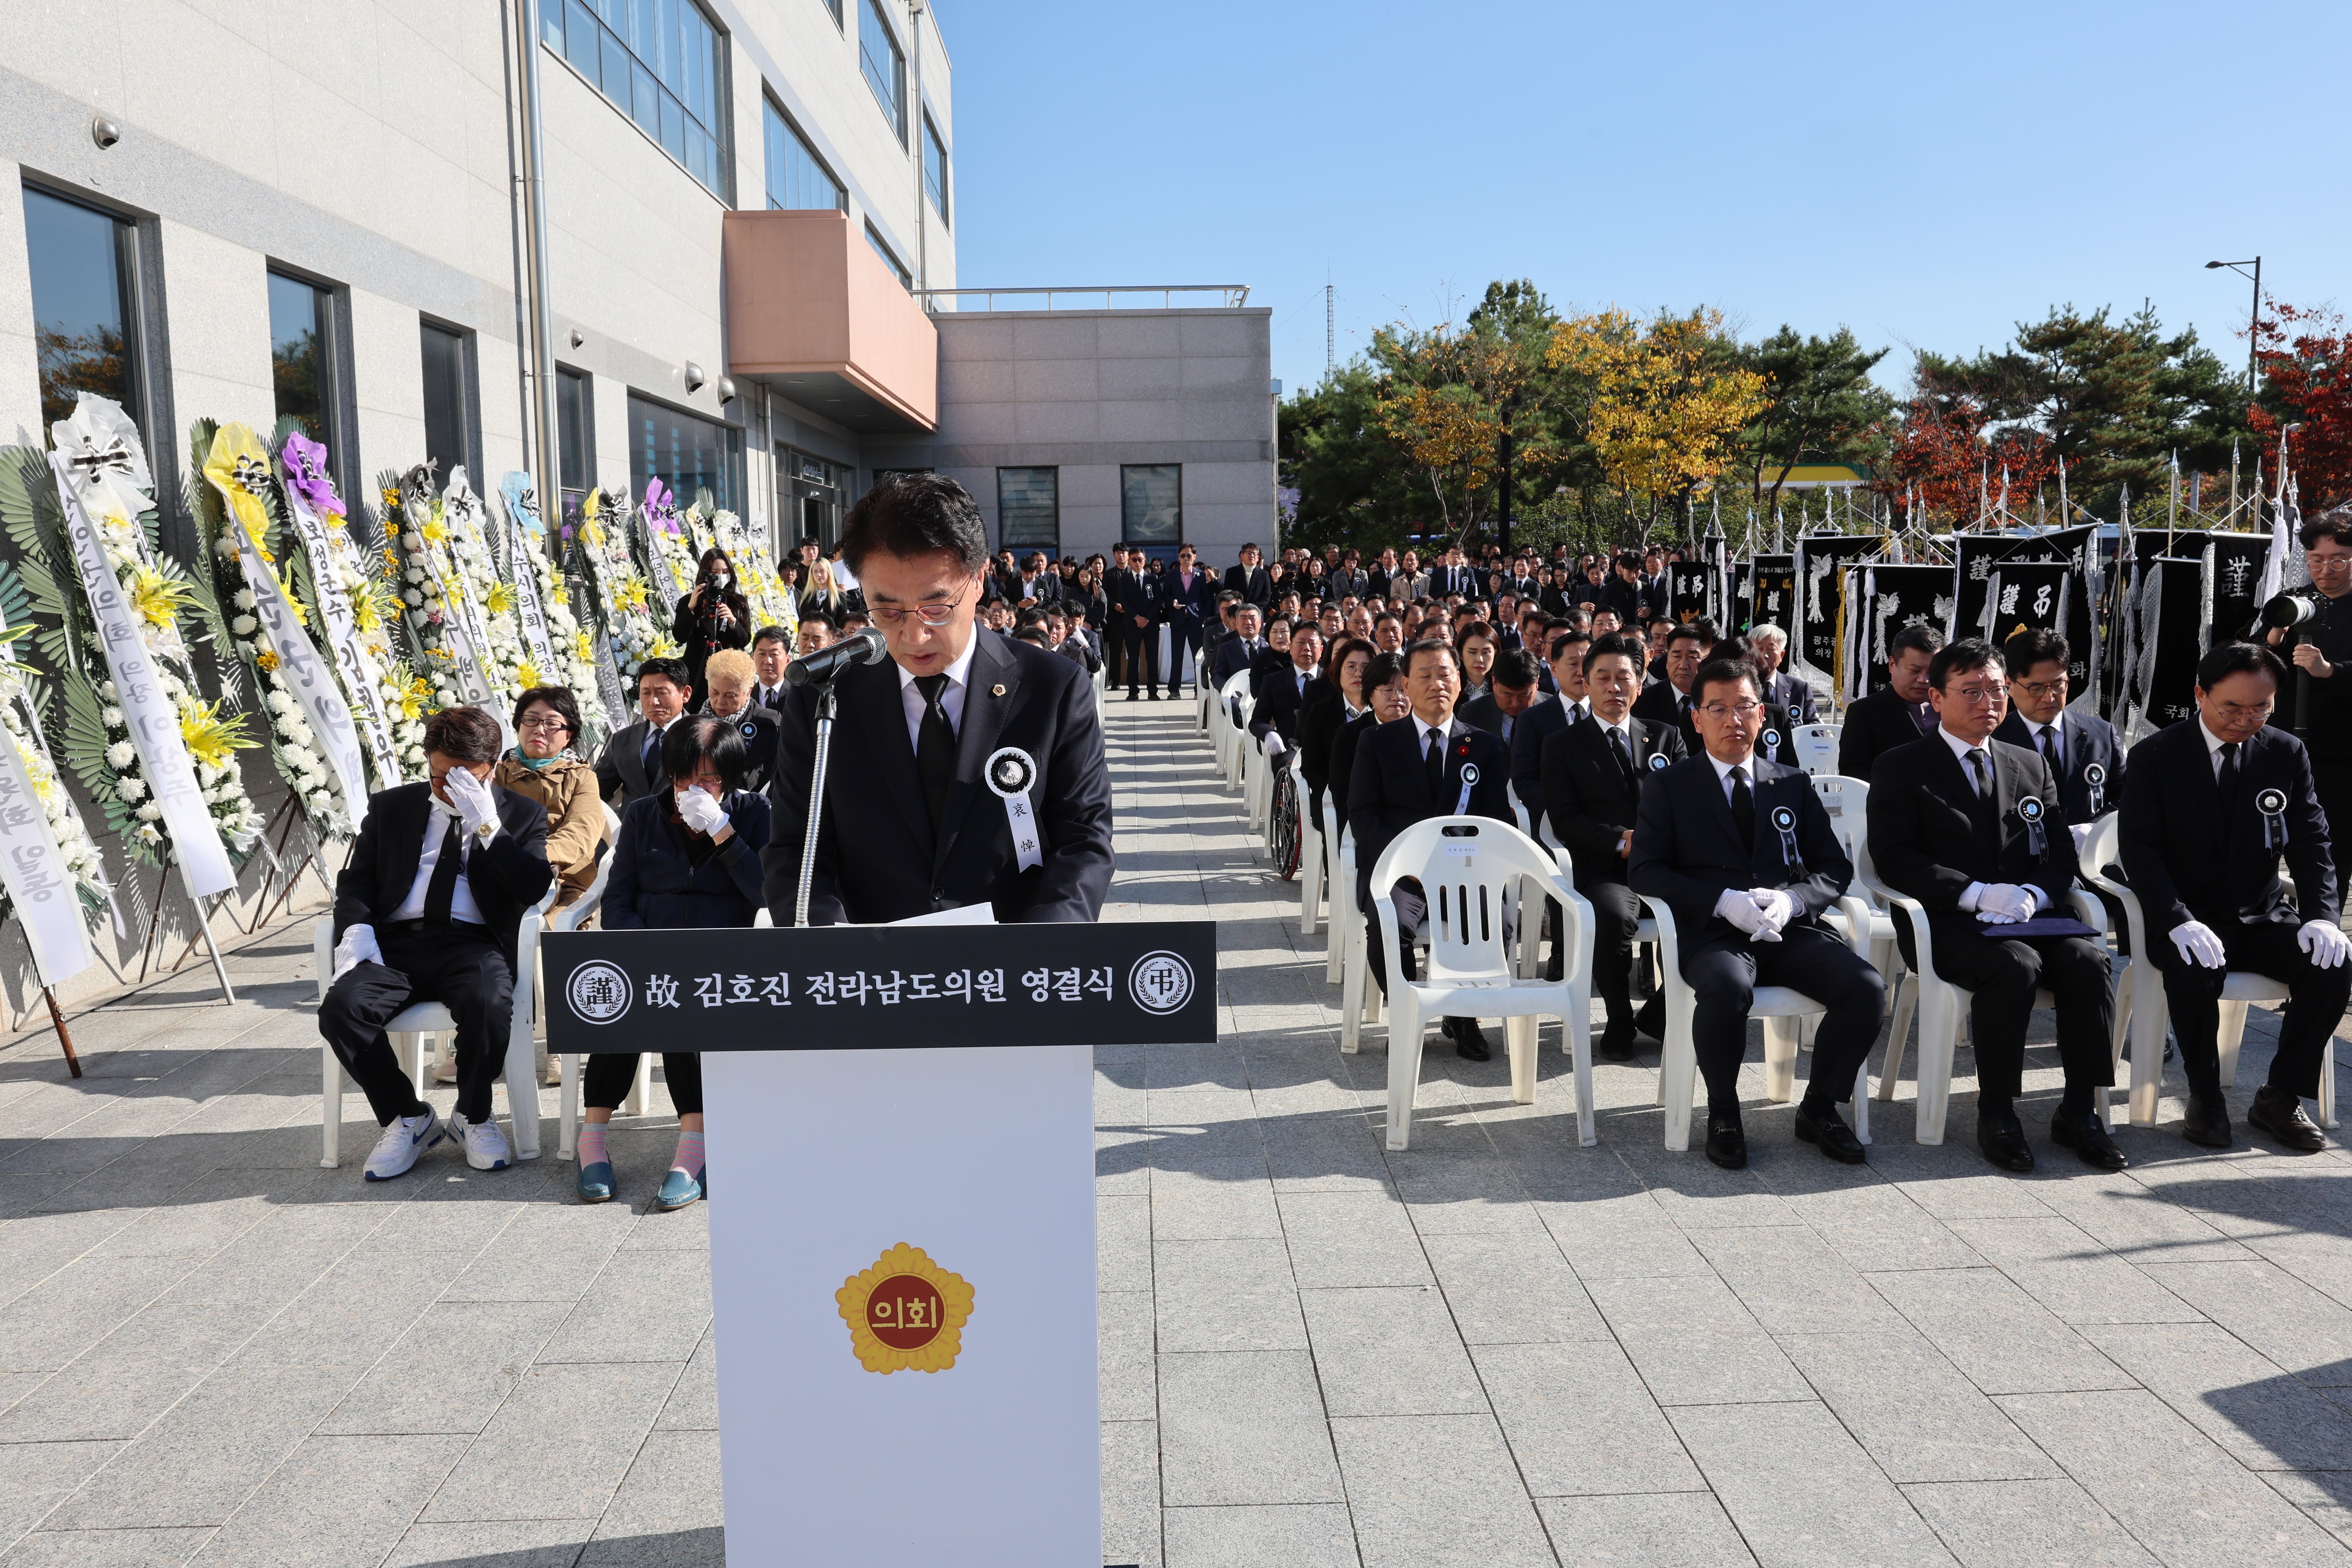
{"x":412,"y":597}
{"x":132,"y":790}
{"x":121,"y":754}
{"x":151,"y":812}
{"x":280,"y":702}
{"x":244,"y":626}
{"x":243,"y":599}
{"x":113,"y":717}
{"x":107,"y":691}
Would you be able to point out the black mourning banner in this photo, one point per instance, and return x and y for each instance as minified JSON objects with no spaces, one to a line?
{"x":1821,"y":558}
{"x":2176,"y":590}
{"x":1891,"y":598}
{"x":1742,"y":596}
{"x":2233,"y":575}
{"x":1772,"y":592}
{"x":1687,"y":585}
{"x":1978,"y":556}
{"x":881,"y":987}
{"x":2030,"y":597}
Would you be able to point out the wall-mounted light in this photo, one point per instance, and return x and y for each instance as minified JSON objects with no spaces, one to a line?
{"x":694,"y":376}
{"x":105,"y":131}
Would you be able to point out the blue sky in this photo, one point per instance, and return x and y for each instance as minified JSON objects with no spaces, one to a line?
{"x":1928,"y":176}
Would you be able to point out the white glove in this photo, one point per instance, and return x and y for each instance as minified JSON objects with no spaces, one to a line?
{"x":2006,"y":903}
{"x":700,"y":811}
{"x":472,"y":798}
{"x":1740,"y":908}
{"x":1274,"y":746}
{"x":2325,"y":941}
{"x":1777,"y":906}
{"x":2199,"y":944}
{"x":357,"y":947}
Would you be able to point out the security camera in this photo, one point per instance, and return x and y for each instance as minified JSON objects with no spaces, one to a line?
{"x":104,"y":132}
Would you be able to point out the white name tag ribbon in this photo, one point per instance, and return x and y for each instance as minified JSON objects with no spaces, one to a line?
{"x":1010,"y":774}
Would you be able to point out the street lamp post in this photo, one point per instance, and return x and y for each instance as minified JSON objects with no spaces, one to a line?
{"x":2254,"y":319}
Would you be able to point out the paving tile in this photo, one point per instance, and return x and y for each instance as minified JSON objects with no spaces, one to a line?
{"x":2304,"y":1332}
{"x":1226,"y":1296}
{"x":41,"y":1476}
{"x":1878,"y":1224}
{"x":1123,"y":1243}
{"x":1390,"y":1352}
{"x":654,"y":1522}
{"x":1244,"y":1427}
{"x":1432,"y":1491}
{"x":1791,"y":1280}
{"x":2267,"y":1419}
{"x":547,"y":1252}
{"x":2323,"y":1496}
{"x":1131,"y":1501}
{"x":1512,"y":1289}
{"x":1657,"y":1530}
{"x":1694,"y":1342}
{"x":354,"y":1312}
{"x":337,"y":1501}
{"x":449,"y":1372}
{"x":108,"y":1549}
{"x":644,"y":1305}
{"x":1127,"y":1355}
{"x":2178,"y":1493}
{"x":2009,"y":1524}
{"x":559,"y":1446}
{"x":1620,"y":1236}
{"x":2077,"y":1277}
{"x":494,"y":1544}
{"x":2127,"y":1218}
{"x":1462,"y":1196}
{"x":693,"y":1405}
{"x":1911,"y":1409}
{"x":1799,"y":1489}
{"x":1214,"y":1200}
{"x":2001,"y":1339}
{"x":79,"y":1304}
{"x":1580,"y":1420}
{"x":1351,"y":1238}
{"x":1303,"y":1535}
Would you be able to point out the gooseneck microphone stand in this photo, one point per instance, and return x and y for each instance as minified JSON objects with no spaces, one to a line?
{"x":827,"y":700}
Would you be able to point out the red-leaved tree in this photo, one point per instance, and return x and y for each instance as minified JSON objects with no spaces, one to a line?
{"x":2306,"y":365}
{"x":1941,"y":451}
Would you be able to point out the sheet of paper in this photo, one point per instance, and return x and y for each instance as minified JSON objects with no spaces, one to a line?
{"x":964,"y":915}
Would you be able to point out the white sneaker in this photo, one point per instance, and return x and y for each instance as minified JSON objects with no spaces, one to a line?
{"x":396,"y":1151}
{"x":486,"y":1146}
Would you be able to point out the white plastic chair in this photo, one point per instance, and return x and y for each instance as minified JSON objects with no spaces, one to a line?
{"x":1257,"y":784}
{"x":1943,"y":1006}
{"x":1341,"y":894}
{"x":2140,"y":1008}
{"x":1232,"y":735}
{"x":1359,"y":1000}
{"x":1580,"y":935}
{"x":1311,"y":865}
{"x":1847,"y":800}
{"x":1777,"y":1007}
{"x":411,"y":1031}
{"x":1467,"y":864}
{"x":1816,"y":746}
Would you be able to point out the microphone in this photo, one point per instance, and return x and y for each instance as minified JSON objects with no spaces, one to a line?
{"x":868,"y":646}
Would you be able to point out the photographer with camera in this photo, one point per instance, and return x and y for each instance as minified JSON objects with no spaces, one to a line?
{"x":714,"y":616}
{"x":2317,"y":638}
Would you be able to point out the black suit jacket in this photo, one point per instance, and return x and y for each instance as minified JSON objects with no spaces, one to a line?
{"x":1129,"y":594}
{"x":1388,"y":791}
{"x":507,"y":876}
{"x":1466,"y":581}
{"x":1529,"y":736}
{"x":1590,"y":799}
{"x":1483,"y":712}
{"x":1278,"y":700}
{"x":1795,"y":695}
{"x":1879,"y":723}
{"x":759,"y":727}
{"x":1927,"y":842}
{"x":1252,"y":584}
{"x":2085,"y":743}
{"x":2187,"y":859}
{"x":1233,"y":656}
{"x":1686,"y":852}
{"x":877,"y":858}
{"x":621,"y":767}
{"x":1319,"y":718}
{"x":1340,"y":768}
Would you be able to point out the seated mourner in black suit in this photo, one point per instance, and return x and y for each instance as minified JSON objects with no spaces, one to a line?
{"x":2212,"y":806}
{"x":1280,"y":691}
{"x":1237,"y":653}
{"x":1428,"y":764}
{"x":911,"y":826}
{"x":1510,"y":693}
{"x":1670,"y":700}
{"x":2082,"y":750}
{"x":1970,"y":827}
{"x":630,"y":767}
{"x":1385,"y":702}
{"x":1898,"y":712}
{"x":429,"y":909}
{"x":728,"y":676}
{"x":1749,"y":912}
{"x":1331,"y":702}
{"x":1593,"y":774}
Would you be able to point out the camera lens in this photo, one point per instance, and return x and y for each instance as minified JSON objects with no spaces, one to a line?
{"x":2288,"y":610}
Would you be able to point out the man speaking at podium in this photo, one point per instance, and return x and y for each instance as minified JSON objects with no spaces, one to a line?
{"x":939,"y":742}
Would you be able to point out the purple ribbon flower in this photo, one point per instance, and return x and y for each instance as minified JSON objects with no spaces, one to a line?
{"x":306,"y":471}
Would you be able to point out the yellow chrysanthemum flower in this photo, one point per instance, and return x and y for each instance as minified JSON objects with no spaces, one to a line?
{"x":501,"y":599}
{"x":526,"y":675}
{"x":435,"y":531}
{"x":584,"y":647}
{"x":211,"y":738}
{"x":390,"y":497}
{"x":267,"y":661}
{"x":158,"y":599}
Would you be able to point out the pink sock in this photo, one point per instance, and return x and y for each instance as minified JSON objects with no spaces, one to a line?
{"x":592,"y":1142}
{"x":690,"y":1154}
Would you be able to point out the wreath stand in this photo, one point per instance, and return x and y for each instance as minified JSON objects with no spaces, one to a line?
{"x":204,"y":932}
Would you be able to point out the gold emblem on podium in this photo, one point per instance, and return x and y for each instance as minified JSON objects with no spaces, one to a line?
{"x":905,"y":1313}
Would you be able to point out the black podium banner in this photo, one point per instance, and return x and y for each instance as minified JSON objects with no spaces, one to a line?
{"x":881,"y":987}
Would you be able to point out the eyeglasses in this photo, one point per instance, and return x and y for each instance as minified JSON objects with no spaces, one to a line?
{"x":2038,"y":690}
{"x":2255,"y":712}
{"x":1719,"y":711}
{"x":932,"y":615}
{"x":1974,"y":695}
{"x":555,"y":721}
{"x":2319,"y":564}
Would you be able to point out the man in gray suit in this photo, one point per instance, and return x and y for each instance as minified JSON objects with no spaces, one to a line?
{"x":631,"y":767}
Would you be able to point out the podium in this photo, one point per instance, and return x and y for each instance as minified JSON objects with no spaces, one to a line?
{"x":902,"y":1212}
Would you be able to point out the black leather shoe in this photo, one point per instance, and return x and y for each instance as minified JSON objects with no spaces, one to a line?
{"x":1554,"y":966}
{"x":2282,"y":1116}
{"x":1825,"y":1130}
{"x":2206,"y":1122}
{"x":2002,"y":1139}
{"x":1727,"y":1143}
{"x":1617,"y":1043}
{"x":1469,"y":1044}
{"x":2087,"y":1136}
{"x":1652,"y":1019}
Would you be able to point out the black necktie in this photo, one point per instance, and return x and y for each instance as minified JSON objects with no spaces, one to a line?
{"x":2050,"y":749}
{"x":1624,"y":757}
{"x":653,"y":756}
{"x":935,"y":749}
{"x":1981,"y":767}
{"x":1435,"y":763}
{"x":442,"y":890}
{"x":1743,"y":806}
{"x":2227,"y":780}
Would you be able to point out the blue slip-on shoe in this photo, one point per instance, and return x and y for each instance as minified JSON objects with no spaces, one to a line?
{"x":596,"y":1182}
{"x":678,"y":1190}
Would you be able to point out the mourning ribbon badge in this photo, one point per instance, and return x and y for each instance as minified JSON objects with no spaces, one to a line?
{"x":1010,"y":774}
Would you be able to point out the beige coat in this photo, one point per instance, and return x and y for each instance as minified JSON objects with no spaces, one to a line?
{"x":576,"y":819}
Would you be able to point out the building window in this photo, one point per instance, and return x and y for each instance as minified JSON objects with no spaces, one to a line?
{"x":884,"y":64}
{"x":935,"y":169}
{"x":661,"y":61}
{"x":85,"y":304}
{"x":575,"y":438}
{"x":448,"y":398}
{"x":835,"y":7}
{"x":1151,"y":502}
{"x":889,"y":258}
{"x":811,"y":497}
{"x":685,"y":452}
{"x":1029,"y":510}
{"x":303,"y":356}
{"x":798,"y":180}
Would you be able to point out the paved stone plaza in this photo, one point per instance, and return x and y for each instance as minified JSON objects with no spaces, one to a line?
{"x":1498,"y":1348}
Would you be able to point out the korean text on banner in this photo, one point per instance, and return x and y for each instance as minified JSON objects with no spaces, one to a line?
{"x":366,"y":703}
{"x":35,"y":873}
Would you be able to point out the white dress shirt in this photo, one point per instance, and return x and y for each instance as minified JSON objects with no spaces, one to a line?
{"x":1622,"y":729}
{"x":2213,"y":744}
{"x":950,"y":697}
{"x":462,"y":907}
{"x":2057,"y":743}
{"x":1723,"y":773}
{"x":1961,"y":749}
